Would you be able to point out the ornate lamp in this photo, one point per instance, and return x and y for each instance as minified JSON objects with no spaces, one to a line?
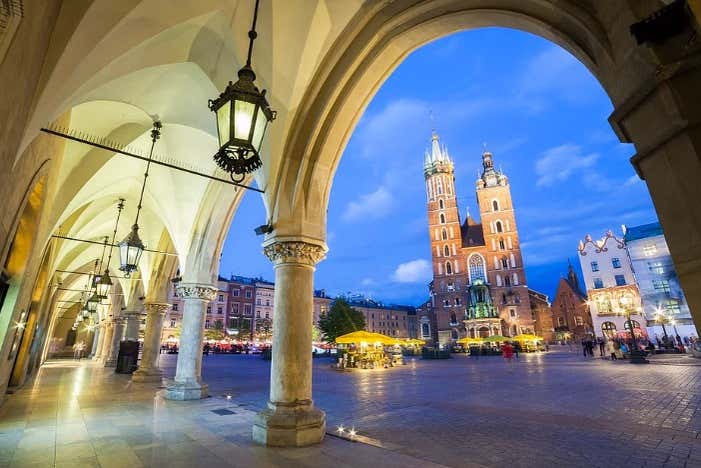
{"x":131,"y":248}
{"x":92,"y":303}
{"x":243,"y":115}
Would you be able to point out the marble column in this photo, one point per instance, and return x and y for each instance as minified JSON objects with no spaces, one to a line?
{"x":291,"y":420}
{"x":113,"y":349}
{"x":148,"y":369}
{"x":187,"y":384}
{"x":133,"y":324}
{"x":97,"y":335}
{"x":105,"y":340}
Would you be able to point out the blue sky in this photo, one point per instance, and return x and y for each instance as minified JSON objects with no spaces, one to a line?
{"x":539,"y":111}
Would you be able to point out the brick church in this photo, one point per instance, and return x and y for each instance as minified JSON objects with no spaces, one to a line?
{"x":479,"y":281}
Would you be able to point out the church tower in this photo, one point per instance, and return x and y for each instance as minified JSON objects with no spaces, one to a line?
{"x":449,"y":270}
{"x":505,"y":269}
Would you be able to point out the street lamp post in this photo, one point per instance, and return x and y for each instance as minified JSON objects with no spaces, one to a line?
{"x":676,"y":333}
{"x":636,"y":357}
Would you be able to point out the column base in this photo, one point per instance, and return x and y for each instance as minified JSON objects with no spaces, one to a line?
{"x":147,"y":375}
{"x":185,"y":391}
{"x":289,"y":425}
{"x":111,"y":362}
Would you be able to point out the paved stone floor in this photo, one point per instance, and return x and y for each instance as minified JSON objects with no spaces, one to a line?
{"x":546,"y":410}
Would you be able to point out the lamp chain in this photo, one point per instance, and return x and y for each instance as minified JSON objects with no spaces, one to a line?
{"x":155,"y":135}
{"x":120,"y":207}
{"x":252,"y":35}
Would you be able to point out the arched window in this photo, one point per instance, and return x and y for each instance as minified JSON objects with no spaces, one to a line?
{"x":608,"y":329}
{"x":457,"y":301}
{"x":507,"y":281}
{"x":446,"y":251}
{"x":442,"y":217}
{"x":440,"y":203}
{"x":499,"y":227}
{"x":515,"y":279}
{"x":501,"y":243}
{"x":448,"y":268}
{"x":495,"y":205}
{"x":444,"y":234}
{"x":425,"y":331}
{"x":499,"y":282}
{"x":476,"y":267}
{"x":453,"y":318}
{"x":504,"y":262}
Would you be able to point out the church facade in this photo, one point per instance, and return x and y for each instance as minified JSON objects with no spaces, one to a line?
{"x":479,"y":284}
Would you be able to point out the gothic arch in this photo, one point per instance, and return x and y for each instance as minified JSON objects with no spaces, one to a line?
{"x":476,"y":267}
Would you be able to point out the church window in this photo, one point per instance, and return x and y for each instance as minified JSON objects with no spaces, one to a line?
{"x":499,"y":226}
{"x":444,"y":234}
{"x":457,"y":301}
{"x":501,"y":243}
{"x":512,"y":259}
{"x":507,"y":281}
{"x":446,"y":251}
{"x":578,"y":320}
{"x":499,"y":282}
{"x":453,"y":318}
{"x":476,"y":268}
{"x":448,"y":268}
{"x":495,"y":205}
{"x":515,"y":279}
{"x":425,"y":332}
{"x":512,"y":313}
{"x":442,"y":217}
{"x":440,"y":204}
{"x":504,"y":262}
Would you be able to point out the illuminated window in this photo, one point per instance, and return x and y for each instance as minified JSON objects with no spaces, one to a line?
{"x":476,"y":265}
{"x":656,"y":268}
{"x":608,"y":329}
{"x":661,"y":285}
{"x":649,"y":250}
{"x":672,"y":306}
{"x":579,"y":321}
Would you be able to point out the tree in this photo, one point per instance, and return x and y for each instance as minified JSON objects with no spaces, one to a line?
{"x":216,"y":333}
{"x":339,"y":320}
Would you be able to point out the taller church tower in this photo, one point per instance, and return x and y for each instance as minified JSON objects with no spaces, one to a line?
{"x":505,"y":270}
{"x":449,"y":268}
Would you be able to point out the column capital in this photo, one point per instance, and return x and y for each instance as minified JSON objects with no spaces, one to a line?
{"x":205,"y":292}
{"x":156,"y":307}
{"x":300,"y":252}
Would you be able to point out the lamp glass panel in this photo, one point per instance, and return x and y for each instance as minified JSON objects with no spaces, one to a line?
{"x":224,"y":123}
{"x":243,"y":119}
{"x":259,"y":130}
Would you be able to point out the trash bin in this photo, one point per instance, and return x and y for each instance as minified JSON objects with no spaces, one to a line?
{"x":128,"y":357}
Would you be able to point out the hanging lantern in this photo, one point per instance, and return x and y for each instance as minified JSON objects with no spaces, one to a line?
{"x":243,"y":115}
{"x":130,"y":250}
{"x":92,"y":303}
{"x":103,"y":284}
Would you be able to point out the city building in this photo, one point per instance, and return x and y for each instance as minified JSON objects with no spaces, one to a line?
{"x":322,"y":304}
{"x":240,"y":321}
{"x":663,"y":300}
{"x":541,"y":314}
{"x":390,"y":320}
{"x":611,"y":289}
{"x":570,"y":312}
{"x":479,"y":281}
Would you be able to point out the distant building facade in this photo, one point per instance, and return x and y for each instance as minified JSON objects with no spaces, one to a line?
{"x":390,"y":320}
{"x":541,"y":314}
{"x":611,"y":287}
{"x":662,"y":297}
{"x":570,"y":312}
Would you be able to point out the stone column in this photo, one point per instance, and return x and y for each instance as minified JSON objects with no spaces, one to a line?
{"x":97,"y":336}
{"x":291,"y":420}
{"x":105,"y":340}
{"x":133,"y":324}
{"x":113,"y":349}
{"x":148,"y":369}
{"x":187,"y":384}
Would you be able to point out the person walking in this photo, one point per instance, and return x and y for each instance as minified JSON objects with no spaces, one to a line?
{"x":602,"y":347}
{"x":508,"y":352}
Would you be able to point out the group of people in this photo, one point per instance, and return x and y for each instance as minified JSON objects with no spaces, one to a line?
{"x":616,"y":348}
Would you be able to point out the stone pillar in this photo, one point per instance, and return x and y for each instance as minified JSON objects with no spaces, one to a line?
{"x":105,"y":340}
{"x":133,"y":324}
{"x":187,"y":384}
{"x":148,"y":369}
{"x":291,"y":420}
{"x":97,"y":336}
{"x":113,"y":349}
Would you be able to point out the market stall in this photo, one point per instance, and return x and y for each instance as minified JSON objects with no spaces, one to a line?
{"x":368,"y":350}
{"x":529,"y":343}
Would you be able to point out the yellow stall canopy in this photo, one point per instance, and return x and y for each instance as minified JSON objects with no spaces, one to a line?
{"x":412,"y":342}
{"x":469,"y":341}
{"x":526,"y":337}
{"x":362,"y":336}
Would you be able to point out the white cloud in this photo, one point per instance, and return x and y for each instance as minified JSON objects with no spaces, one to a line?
{"x":371,"y":205}
{"x":414,"y":271}
{"x":561,"y":162}
{"x":367,"y":282}
{"x":632,"y":180}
